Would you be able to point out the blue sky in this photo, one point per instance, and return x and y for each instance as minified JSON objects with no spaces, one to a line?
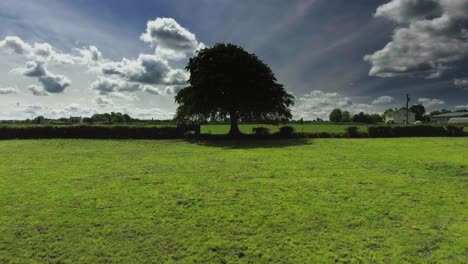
{"x":317,"y":48}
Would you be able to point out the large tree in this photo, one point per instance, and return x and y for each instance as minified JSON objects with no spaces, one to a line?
{"x":336,"y":115}
{"x":228,"y":82}
{"x":419,"y":111}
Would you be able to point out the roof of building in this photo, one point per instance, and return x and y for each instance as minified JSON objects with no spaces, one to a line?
{"x":456,"y":114}
{"x":458,"y":120}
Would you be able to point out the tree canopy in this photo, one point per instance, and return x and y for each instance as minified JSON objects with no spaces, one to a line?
{"x":336,"y":115}
{"x":419,"y":111}
{"x":228,"y":82}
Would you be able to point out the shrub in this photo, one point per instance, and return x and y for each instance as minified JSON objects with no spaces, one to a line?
{"x":324,"y":135}
{"x":190,"y":134}
{"x":286,"y":131}
{"x":455,"y":131}
{"x":407,"y":131}
{"x":352,"y":132}
{"x":260,"y":131}
{"x":380,"y":131}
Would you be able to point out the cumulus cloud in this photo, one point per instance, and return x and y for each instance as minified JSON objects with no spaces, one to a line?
{"x":170,"y":39}
{"x":177,"y":77}
{"x":432,"y":38}
{"x":51,"y":83}
{"x":89,"y":55}
{"x":152,"y":90}
{"x":7,"y":90}
{"x":16,"y":45}
{"x":409,"y":10}
{"x":427,"y":102}
{"x":146,"y":69}
{"x":173,"y":89}
{"x":116,"y":80}
{"x":37,"y":91}
{"x":385,"y":99}
{"x":43,"y":52}
{"x":103,"y":102}
{"x":108,"y":85}
{"x":320,"y":104}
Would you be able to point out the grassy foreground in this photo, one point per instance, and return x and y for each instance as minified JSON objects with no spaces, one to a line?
{"x":328,"y":200}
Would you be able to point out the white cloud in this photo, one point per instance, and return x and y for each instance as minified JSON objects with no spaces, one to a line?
{"x":51,"y":83}
{"x":173,"y":89}
{"x":320,"y":104}
{"x":409,"y":10}
{"x":146,"y":69}
{"x":177,"y":77}
{"x":433,"y":37}
{"x":89,"y":55}
{"x":152,"y":90}
{"x":42,"y":52}
{"x":37,"y":91}
{"x":385,"y":99}
{"x":7,"y":90}
{"x":462,"y":106}
{"x":427,"y":102}
{"x":461,"y":83}
{"x":16,"y":45}
{"x":103,"y":102}
{"x":171,"y":40}
{"x":117,"y":82}
{"x":108,"y":85}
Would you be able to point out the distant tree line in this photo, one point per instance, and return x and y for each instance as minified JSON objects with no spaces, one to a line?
{"x":344,"y":116}
{"x":337,"y":115}
{"x":109,"y":118}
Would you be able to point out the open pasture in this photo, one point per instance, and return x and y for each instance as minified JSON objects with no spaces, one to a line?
{"x":292,"y":201}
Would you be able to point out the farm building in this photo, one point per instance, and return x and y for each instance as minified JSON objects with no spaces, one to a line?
{"x":458,"y":120}
{"x":75,"y":119}
{"x":445,"y":118}
{"x":399,"y":117}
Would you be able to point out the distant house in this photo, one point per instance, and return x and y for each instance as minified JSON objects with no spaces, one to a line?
{"x":75,"y":119}
{"x":399,"y":117}
{"x":447,"y":118}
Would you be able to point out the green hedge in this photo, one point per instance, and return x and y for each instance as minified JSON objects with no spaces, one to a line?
{"x":96,"y":132}
{"x":414,"y":131}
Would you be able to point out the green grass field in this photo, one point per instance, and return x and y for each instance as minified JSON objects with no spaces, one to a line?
{"x":298,"y":128}
{"x":298,"y":201}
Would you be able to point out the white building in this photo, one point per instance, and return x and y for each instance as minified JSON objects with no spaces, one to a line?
{"x":399,"y":117}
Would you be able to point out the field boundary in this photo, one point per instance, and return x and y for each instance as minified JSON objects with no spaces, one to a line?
{"x":193,"y":132}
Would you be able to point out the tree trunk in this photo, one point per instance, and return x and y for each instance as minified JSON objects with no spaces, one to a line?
{"x":234,"y":130}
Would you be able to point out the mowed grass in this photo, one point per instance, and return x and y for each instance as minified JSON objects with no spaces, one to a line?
{"x":298,"y":128}
{"x":298,"y":201}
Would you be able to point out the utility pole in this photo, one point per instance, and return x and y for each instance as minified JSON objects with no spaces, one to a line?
{"x":407,"y":109}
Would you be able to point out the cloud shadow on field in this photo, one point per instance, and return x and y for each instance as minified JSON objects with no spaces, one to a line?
{"x":252,"y":143}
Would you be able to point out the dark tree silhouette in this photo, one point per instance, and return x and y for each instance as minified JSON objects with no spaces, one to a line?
{"x":226,"y":81}
{"x":336,"y":115}
{"x":419,"y":111}
{"x":346,"y":116}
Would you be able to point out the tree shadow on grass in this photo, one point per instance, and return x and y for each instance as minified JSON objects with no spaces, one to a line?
{"x":251,"y":143}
